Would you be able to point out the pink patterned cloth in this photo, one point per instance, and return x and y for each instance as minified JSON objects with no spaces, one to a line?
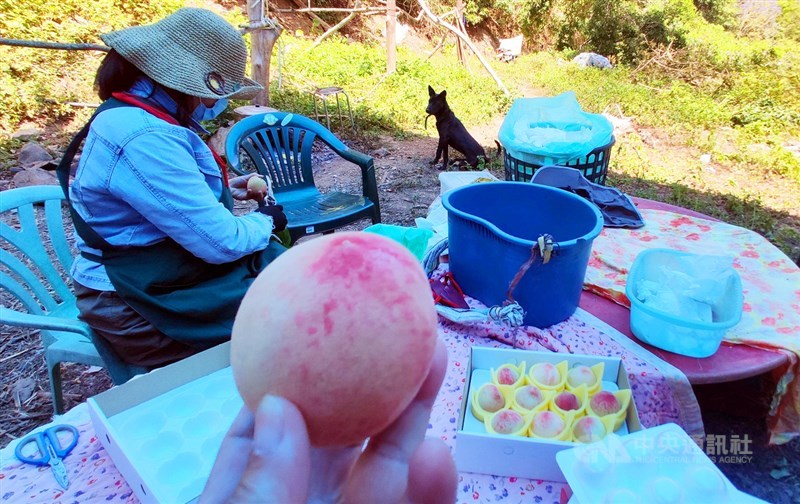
{"x":661,"y":393}
{"x":770,"y":284}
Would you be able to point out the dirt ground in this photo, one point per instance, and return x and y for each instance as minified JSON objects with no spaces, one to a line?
{"x":407,"y":186}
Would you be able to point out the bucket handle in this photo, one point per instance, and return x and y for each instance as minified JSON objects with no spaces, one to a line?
{"x":544,"y":246}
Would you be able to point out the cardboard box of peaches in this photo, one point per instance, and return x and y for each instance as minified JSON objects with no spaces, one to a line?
{"x":521,"y":407}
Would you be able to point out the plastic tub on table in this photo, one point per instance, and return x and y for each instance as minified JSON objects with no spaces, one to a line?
{"x":671,"y":332}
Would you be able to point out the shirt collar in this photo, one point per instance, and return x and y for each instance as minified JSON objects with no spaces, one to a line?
{"x":144,"y":87}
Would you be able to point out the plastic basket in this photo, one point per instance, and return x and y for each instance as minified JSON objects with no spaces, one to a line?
{"x":491,"y":229}
{"x":593,"y":166}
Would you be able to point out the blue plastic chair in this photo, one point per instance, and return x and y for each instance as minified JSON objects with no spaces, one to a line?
{"x":35,"y":260}
{"x":278,"y":144}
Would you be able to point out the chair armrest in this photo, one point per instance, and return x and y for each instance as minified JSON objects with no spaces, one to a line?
{"x":19,"y":319}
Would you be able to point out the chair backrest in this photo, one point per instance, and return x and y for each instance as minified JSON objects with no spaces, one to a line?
{"x":36,"y":254}
{"x":277,"y":144}
{"x":35,"y":284}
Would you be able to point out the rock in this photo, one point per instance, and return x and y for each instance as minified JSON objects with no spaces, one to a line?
{"x":34,"y":177}
{"x":27,"y":132}
{"x":382,"y":152}
{"x":33,"y":155}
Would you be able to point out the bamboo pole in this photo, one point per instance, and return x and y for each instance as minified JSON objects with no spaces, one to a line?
{"x":53,"y":45}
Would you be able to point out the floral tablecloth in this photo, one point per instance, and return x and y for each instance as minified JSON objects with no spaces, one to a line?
{"x":770,"y":284}
{"x":662,"y":394}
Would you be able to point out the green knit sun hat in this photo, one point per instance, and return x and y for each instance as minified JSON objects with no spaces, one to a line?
{"x":192,"y":50}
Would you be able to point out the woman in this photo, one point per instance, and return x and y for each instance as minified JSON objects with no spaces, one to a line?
{"x":163,"y":261}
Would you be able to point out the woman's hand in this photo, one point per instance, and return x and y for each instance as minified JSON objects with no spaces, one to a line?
{"x":268,"y":458}
{"x":239,"y":189}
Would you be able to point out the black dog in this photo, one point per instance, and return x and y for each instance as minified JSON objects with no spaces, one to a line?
{"x":452,"y":132}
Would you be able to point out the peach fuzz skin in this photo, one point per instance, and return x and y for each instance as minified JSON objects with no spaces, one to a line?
{"x":344,"y":326}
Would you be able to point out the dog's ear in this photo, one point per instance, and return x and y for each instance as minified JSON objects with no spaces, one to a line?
{"x":443,"y":94}
{"x":431,"y":92}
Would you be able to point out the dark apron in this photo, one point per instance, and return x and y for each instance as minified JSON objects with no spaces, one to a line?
{"x":184,"y":297}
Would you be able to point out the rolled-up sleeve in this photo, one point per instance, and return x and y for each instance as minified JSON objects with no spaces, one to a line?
{"x":170,"y":179}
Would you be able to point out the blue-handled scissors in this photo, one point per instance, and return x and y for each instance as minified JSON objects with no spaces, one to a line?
{"x":49,"y":450}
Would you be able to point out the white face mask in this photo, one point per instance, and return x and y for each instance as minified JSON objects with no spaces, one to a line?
{"x":203,"y":113}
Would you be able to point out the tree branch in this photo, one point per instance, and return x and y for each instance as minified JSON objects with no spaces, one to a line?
{"x":463,"y":36}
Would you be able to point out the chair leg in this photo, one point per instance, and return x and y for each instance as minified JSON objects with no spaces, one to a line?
{"x":54,"y":375}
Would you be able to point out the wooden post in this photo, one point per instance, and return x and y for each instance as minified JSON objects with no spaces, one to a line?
{"x":460,"y":12}
{"x":391,"y":36}
{"x":262,"y":40}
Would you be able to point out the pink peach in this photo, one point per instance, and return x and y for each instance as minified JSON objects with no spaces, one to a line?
{"x":547,"y":424}
{"x":581,"y":375}
{"x":507,"y":422}
{"x":490,"y":399}
{"x":507,"y":376}
{"x":546,"y":374}
{"x":589,"y":429}
{"x":567,"y":401}
{"x":343,"y":326}
{"x":529,"y":396}
{"x":605,"y":403}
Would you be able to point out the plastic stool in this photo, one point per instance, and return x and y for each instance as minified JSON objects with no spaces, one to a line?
{"x":323,"y":94}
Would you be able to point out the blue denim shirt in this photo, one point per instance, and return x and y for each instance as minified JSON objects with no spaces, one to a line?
{"x":141,"y":180}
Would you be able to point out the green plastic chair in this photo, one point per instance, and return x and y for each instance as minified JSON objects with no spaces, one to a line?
{"x":278,"y":144}
{"x":34,"y":265}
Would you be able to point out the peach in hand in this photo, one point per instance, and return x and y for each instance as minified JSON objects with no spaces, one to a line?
{"x":257,"y":184}
{"x":343,"y":326}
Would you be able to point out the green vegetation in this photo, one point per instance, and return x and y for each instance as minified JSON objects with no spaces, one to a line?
{"x":690,"y":72}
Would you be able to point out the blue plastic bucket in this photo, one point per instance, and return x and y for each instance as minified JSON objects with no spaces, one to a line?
{"x":493,"y":226}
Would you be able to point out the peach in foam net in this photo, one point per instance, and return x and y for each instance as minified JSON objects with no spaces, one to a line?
{"x":506,"y":422}
{"x":548,"y":424}
{"x":613,"y":405}
{"x":344,"y":326}
{"x":529,"y":398}
{"x":591,"y":377}
{"x":589,"y":429}
{"x":509,"y":374}
{"x":490,"y":398}
{"x":605,"y":403}
{"x":548,"y":376}
{"x":567,"y":401}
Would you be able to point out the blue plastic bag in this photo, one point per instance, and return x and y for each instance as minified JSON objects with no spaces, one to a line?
{"x":553,"y":130}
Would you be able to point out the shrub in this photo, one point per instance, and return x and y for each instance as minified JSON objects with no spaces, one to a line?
{"x":37,"y":82}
